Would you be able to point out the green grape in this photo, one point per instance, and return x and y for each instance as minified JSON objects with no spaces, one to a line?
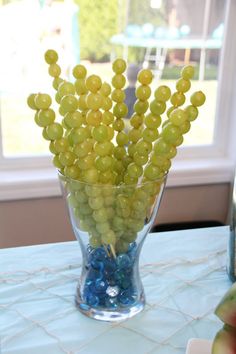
{"x":198,"y":98}
{"x":74,"y":119}
{"x":106,"y":103}
{"x":122,"y":201}
{"x":185,"y":127}
{"x":52,"y":148}
{"x":177,"y":99}
{"x":118,"y":81}
{"x":157,"y":107}
{"x":110,"y":131}
{"x":54,"y":70}
{"x":122,"y":246}
{"x":130,"y":180}
{"x":78,"y":135}
{"x":136,"y":120}
{"x":72,"y":171}
{"x":92,"y":191}
{"x":104,"y":163}
{"x":179,"y":141}
{"x":120,"y":110}
{"x":178,"y":117}
{"x":140,"y":195}
{"x":183,"y":85}
{"x":61,"y":145}
{"x":80,"y":87}
{"x":105,"y":89}
{"x":187,"y":72}
{"x":136,"y":225}
{"x":150,"y":135}
{"x":161,"y":147}
{"x":161,"y":161}
{"x":45,"y":135}
{"x":42,"y":101}
{"x":139,"y":159}
{"x":94,"y":118}
{"x":143,"y":148}
{"x":169,"y":110}
{"x":108,"y":238}
{"x":100,"y":133}
{"x":102,"y":227}
{"x":118,"y":166}
{"x":90,"y":175}
{"x":82,"y":103}
{"x":100,"y":215}
{"x":81,"y":196}
{"x":119,"y":152}
{"x":134,"y":170}
{"x":134,"y":135}
{"x":152,"y":121}
{"x":172,"y":152}
{"x":62,"y":111}
{"x":86,"y":163}
{"x":79,"y":71}
{"x":56,"y":82}
{"x":118,"y":125}
{"x":66,"y":88}
{"x":192,"y":112}
{"x":93,"y":83}
{"x":107,"y":177}
{"x":118,"y":95}
{"x":95,"y":203}
{"x":152,"y":172}
{"x":119,"y":66}
{"x":143,"y":92}
{"x":131,"y":149}
{"x":30,"y":101}
{"x":54,"y":131}
{"x":145,"y":77}
{"x":58,"y":98}
{"x":122,"y":139}
{"x":126,"y":161}
{"x":46,"y":117}
{"x":107,"y":118}
{"x":140,"y":107}
{"x":51,"y":56}
{"x":86,"y":210}
{"x":56,"y":162}
{"x":94,"y":101}
{"x":171,"y":133}
{"x":83,"y":149}
{"x":64,"y":125}
{"x":95,"y":241}
{"x":103,"y":149}
{"x":162,"y":93}
{"x":69,"y":103}
{"x":129,"y":237}
{"x":67,"y":158}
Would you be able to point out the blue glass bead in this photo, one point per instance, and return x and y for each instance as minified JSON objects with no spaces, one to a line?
{"x":126,"y":297}
{"x":98,"y":254}
{"x":100,"y":286}
{"x":92,"y":300}
{"x":123,"y":261}
{"x":113,"y":291}
{"x":111,"y":302}
{"x":125,"y":283}
{"x":119,"y":275}
{"x":94,"y":274}
{"x":96,"y":264}
{"x":109,"y":267}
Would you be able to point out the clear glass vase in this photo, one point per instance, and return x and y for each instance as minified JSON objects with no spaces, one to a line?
{"x":111,"y":223}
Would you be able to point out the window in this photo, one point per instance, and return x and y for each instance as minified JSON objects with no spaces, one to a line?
{"x":197,"y":32}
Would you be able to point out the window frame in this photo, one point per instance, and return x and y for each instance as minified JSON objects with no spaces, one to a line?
{"x":33,"y":177}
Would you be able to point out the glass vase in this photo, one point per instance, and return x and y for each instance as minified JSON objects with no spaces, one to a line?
{"x":111,"y":224}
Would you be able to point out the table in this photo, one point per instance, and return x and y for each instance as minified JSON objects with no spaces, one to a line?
{"x":162,"y":45}
{"x":184,"y":277}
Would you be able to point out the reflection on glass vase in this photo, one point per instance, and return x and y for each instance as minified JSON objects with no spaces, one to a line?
{"x":111,"y":223}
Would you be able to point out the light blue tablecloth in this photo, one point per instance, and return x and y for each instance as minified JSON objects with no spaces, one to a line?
{"x":184,"y":277}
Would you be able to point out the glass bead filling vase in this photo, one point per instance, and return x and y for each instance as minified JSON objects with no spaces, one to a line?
{"x":111,"y":223}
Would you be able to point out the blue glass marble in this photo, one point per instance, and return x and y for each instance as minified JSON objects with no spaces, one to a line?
{"x":109,"y":267}
{"x":100,"y":286}
{"x":98,"y":254}
{"x":111,"y":302}
{"x":92,"y":300}
{"x":126,"y":297}
{"x":123,"y":261}
{"x":94,"y":274}
{"x":97,"y":264}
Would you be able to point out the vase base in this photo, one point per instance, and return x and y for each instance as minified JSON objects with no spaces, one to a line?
{"x":110,"y":315}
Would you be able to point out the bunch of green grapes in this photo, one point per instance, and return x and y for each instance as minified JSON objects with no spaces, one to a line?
{"x":113,"y":177}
